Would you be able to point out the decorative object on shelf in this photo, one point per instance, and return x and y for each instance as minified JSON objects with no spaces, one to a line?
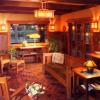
{"x":90,"y":64}
{"x":65,"y":29}
{"x":34,"y":89}
{"x":43,"y":12}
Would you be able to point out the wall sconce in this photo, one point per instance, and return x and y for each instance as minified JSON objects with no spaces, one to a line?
{"x":3,"y":27}
{"x":94,"y":25}
{"x":51,"y":27}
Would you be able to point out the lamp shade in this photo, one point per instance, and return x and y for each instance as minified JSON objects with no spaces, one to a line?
{"x":90,"y":63}
{"x":44,"y":13}
{"x":24,"y":43}
{"x":34,"y":35}
{"x":3,"y":27}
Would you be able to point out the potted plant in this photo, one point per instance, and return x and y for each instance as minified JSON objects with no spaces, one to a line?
{"x":12,"y":52}
{"x":53,"y":45}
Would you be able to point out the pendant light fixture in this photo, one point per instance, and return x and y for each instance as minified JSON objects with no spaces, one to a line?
{"x":44,"y":12}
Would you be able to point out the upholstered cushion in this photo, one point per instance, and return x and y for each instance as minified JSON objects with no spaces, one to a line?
{"x":58,"y":68}
{"x":58,"y":58}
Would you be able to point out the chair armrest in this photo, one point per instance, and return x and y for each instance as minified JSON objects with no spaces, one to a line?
{"x":47,"y":58}
{"x":17,"y":91}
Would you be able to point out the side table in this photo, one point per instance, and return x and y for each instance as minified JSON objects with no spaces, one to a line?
{"x":81,"y":73}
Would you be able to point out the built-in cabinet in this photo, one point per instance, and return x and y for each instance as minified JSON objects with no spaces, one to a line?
{"x":79,"y":38}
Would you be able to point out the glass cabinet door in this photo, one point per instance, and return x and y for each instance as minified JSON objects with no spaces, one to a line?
{"x":87,"y":38}
{"x":71,"y":37}
{"x":79,"y":38}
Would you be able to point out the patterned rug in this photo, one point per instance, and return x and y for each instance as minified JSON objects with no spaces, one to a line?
{"x":54,"y":90}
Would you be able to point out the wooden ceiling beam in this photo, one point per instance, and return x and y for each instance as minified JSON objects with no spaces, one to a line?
{"x":60,"y":6}
{"x":20,"y":4}
{"x":78,"y":1}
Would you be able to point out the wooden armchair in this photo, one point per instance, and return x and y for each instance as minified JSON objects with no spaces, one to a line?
{"x":5,"y":90}
{"x":18,"y":63}
{"x":3,"y":62}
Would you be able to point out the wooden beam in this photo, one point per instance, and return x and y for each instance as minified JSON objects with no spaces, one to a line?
{"x":20,"y":4}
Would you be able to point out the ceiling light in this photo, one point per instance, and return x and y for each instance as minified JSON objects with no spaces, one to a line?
{"x":43,"y":12}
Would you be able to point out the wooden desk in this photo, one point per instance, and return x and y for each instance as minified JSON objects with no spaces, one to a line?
{"x":31,"y":51}
{"x":31,"y":47}
{"x":80,"y":73}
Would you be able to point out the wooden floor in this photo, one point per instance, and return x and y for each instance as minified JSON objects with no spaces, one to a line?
{"x":34,"y":73}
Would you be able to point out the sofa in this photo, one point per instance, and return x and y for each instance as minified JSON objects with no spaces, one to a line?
{"x":61,"y":70}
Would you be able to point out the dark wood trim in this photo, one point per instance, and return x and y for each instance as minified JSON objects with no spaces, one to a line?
{"x":36,"y":21}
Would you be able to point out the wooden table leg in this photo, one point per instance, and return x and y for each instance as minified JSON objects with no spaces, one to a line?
{"x":74,"y":85}
{"x":87,"y":95}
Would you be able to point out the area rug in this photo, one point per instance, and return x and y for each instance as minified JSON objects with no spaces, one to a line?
{"x":54,"y":90}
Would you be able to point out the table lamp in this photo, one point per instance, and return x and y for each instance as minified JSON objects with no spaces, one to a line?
{"x":90,"y":64}
{"x":24,"y":43}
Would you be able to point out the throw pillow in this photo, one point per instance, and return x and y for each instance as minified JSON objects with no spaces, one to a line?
{"x":58,"y":58}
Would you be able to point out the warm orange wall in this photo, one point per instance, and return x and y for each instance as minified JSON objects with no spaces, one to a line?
{"x":57,"y":23}
{"x":93,"y":12}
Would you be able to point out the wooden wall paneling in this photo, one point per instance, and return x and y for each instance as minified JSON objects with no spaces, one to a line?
{"x":96,"y":41}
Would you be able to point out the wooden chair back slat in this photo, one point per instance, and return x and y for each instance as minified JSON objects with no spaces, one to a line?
{"x":4,"y":90}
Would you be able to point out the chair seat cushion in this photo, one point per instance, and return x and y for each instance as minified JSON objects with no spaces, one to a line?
{"x":60,"y":69}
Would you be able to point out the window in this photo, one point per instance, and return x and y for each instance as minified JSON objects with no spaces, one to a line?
{"x":20,"y":32}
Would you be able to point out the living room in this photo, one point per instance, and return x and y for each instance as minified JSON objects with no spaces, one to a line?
{"x":46,"y":51}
